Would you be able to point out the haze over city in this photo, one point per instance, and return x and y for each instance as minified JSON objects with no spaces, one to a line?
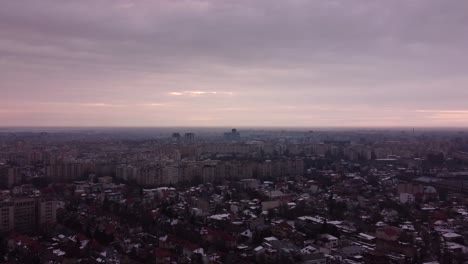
{"x":234,"y":63}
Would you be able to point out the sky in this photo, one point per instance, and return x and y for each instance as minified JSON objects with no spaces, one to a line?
{"x":306,"y":63}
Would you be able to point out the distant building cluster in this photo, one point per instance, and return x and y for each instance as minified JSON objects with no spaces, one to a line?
{"x":26,"y":213}
{"x":174,"y":172}
{"x":187,"y":138}
{"x":232,"y":136}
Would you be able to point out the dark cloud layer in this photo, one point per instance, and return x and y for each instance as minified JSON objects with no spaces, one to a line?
{"x":212,"y":62}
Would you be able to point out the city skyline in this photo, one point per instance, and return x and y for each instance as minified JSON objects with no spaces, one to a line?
{"x":233,"y":64}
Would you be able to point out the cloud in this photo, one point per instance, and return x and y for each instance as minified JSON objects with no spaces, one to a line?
{"x":156,"y":104}
{"x":444,"y":111}
{"x":197,"y":93}
{"x":357,"y":60}
{"x":102,"y":105}
{"x":450,"y":116}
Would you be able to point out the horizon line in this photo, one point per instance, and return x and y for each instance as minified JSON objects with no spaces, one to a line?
{"x":243,"y":126}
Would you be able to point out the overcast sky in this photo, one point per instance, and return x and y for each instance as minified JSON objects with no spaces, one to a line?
{"x":234,"y":63}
